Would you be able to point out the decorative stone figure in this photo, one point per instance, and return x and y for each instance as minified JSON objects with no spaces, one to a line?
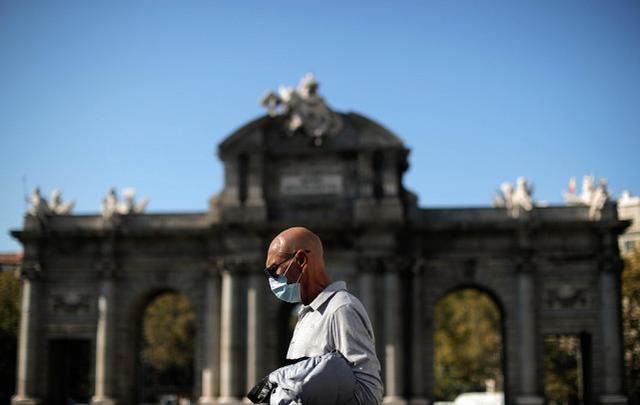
{"x":58,"y":206}
{"x":515,"y":199}
{"x":599,"y":199}
{"x":41,"y":209}
{"x":109,"y":207}
{"x":39,"y":206}
{"x":129,"y":206}
{"x":593,"y":197}
{"x":304,"y":109}
{"x":584,"y":198}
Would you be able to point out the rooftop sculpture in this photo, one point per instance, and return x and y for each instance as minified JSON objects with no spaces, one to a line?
{"x":41,"y":209}
{"x":304,"y":109}
{"x":111,"y":207}
{"x":517,"y":199}
{"x":595,"y":197}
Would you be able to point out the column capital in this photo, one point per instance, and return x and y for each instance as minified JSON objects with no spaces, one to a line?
{"x":419,"y":266}
{"x":107,"y":269}
{"x":610,"y":264}
{"x":30,"y":270}
{"x":526,"y":264}
{"x":369,"y":264}
{"x":397,"y":264}
{"x":239,"y":266}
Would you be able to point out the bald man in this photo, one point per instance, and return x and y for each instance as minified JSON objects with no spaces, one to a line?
{"x":331,"y":318}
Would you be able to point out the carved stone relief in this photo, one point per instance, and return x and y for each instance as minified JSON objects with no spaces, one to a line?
{"x":566,"y":296}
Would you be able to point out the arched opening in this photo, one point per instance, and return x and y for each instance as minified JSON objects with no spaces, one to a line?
{"x":468,"y":345}
{"x":567,"y":367}
{"x":165,"y":366}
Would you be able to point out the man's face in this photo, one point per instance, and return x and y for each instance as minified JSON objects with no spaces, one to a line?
{"x":283,"y":264}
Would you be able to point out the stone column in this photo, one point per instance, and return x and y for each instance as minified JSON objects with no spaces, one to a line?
{"x":229,"y":340}
{"x":104,"y":390}
{"x":418,"y":342}
{"x":26,"y":390}
{"x":528,"y":394}
{"x":254,"y":329}
{"x":611,"y":323}
{"x":366,"y":269}
{"x":393,"y":338}
{"x":210,"y":375}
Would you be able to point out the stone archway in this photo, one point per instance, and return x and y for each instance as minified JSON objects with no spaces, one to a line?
{"x":149,"y":382}
{"x":469,"y":349}
{"x":166,"y":354}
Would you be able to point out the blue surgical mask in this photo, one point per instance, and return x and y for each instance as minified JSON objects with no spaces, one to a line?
{"x":282,"y":290}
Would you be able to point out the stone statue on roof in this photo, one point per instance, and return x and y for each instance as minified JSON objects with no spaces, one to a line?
{"x":112,"y":208}
{"x":304,"y":109}
{"x":129,"y":205}
{"x":592,"y":196}
{"x":515,"y":199}
{"x":41,"y":208}
{"x":58,"y":206}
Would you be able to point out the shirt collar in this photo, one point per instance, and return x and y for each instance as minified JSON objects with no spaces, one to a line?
{"x":326,"y":294}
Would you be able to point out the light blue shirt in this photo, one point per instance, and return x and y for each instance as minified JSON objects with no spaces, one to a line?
{"x":336,"y":320}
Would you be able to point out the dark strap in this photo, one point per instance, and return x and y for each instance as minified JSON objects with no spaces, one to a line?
{"x":288,"y":362}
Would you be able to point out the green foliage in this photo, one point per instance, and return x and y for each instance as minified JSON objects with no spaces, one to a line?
{"x":168,"y":332}
{"x":9,"y":303}
{"x":468,"y":343}
{"x":561,"y":368}
{"x":631,"y":324}
{"x":9,"y":319}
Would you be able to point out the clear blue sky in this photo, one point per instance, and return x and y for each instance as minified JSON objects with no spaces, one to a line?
{"x":99,"y":94}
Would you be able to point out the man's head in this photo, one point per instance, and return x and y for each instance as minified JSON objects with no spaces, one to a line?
{"x":297,"y":254}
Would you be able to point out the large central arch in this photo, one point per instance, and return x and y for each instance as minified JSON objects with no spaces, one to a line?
{"x":468,"y":307}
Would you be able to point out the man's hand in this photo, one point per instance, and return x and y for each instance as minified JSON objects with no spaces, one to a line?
{"x":261,"y":393}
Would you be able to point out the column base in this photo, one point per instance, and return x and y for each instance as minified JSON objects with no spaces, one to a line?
{"x":529,"y":400}
{"x":103,"y":401}
{"x":613,"y":400}
{"x":20,"y":400}
{"x":229,"y":401}
{"x":207,"y":401}
{"x":394,"y":400}
{"x":419,"y":401}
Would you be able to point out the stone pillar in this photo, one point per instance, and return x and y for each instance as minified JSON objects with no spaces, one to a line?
{"x":229,"y":340}
{"x":528,"y":393}
{"x":26,"y":390}
{"x":255,"y":180}
{"x":104,"y":386}
{"x":418,"y":342}
{"x":611,"y":323}
{"x":366,"y":269}
{"x":393,"y":338}
{"x":255,"y":367}
{"x":211,"y":341}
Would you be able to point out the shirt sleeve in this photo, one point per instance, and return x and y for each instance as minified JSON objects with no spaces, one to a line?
{"x":351,"y":337}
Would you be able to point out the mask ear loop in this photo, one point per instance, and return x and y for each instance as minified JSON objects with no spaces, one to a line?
{"x":288,"y":267}
{"x":300,"y":276}
{"x":301,"y":272}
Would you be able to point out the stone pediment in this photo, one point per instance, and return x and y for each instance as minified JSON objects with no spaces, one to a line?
{"x":269,"y":133}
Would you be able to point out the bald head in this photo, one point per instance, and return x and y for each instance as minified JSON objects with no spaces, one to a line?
{"x":308,"y":266}
{"x":297,"y":238}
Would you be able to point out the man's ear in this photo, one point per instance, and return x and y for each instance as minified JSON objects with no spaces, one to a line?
{"x":301,"y":258}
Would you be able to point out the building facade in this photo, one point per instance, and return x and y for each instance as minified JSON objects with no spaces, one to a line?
{"x":87,"y":278}
{"x":629,"y":209}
